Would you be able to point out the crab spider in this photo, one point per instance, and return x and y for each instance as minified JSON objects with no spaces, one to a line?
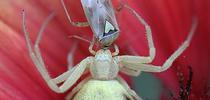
{"x":73,"y":74}
{"x":104,"y":65}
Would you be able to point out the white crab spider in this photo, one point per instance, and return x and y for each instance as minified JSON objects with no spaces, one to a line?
{"x":104,"y":66}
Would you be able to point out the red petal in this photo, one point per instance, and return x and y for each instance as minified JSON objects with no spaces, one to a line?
{"x":170,"y":22}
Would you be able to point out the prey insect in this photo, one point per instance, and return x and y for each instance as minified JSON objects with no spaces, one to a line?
{"x":104,"y":66}
{"x":101,"y":18}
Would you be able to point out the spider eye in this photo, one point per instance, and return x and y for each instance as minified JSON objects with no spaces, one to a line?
{"x":109,"y":29}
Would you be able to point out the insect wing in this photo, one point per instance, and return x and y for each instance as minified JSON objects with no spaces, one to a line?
{"x":101,"y":17}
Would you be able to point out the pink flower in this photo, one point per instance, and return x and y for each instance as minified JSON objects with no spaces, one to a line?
{"x":170,"y":21}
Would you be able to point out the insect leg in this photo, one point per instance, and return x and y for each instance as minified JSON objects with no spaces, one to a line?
{"x":77,"y":24}
{"x":80,"y":38}
{"x":86,"y":40}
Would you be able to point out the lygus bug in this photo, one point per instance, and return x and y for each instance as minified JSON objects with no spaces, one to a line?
{"x":104,"y":82}
{"x":101,"y":19}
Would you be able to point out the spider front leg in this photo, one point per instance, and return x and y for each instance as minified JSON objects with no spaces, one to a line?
{"x":137,"y":59}
{"x":77,"y":24}
{"x":152,"y":51}
{"x":69,"y":77}
{"x":135,"y":65}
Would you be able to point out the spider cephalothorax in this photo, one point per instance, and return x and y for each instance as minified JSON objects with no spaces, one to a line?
{"x":104,"y":67}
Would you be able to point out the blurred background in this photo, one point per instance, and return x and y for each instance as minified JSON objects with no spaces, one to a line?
{"x":170,"y":20}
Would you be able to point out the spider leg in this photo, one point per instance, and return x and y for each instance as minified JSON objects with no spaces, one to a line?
{"x":70,"y":57}
{"x":33,"y":56}
{"x":37,"y":59}
{"x":152,"y":68}
{"x":130,"y":93}
{"x":129,"y":71}
{"x":75,"y":75}
{"x":125,"y":69}
{"x":61,"y":78}
{"x":93,"y":52}
{"x":65,"y":75}
{"x":152,"y":50}
{"x":116,"y":50}
{"x":77,"y":88}
{"x":77,"y":24}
